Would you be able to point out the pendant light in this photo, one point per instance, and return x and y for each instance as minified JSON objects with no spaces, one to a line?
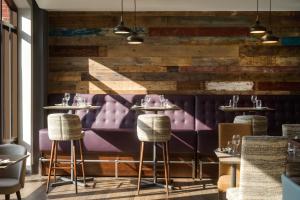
{"x":257,"y":28}
{"x":121,"y":29}
{"x":134,"y":38}
{"x":269,"y":38}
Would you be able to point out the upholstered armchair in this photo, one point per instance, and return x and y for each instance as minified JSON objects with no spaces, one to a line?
{"x":291,"y":190}
{"x":12,"y":178}
{"x":263,"y":160}
{"x":226,"y":131}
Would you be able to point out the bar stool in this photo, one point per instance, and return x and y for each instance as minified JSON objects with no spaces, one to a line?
{"x":65,"y":127}
{"x":259,"y":123}
{"x":154,"y":128}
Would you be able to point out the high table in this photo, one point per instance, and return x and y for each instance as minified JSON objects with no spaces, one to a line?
{"x":234,"y":160}
{"x":244,"y":109}
{"x":11,"y":160}
{"x":72,"y":110}
{"x":155,"y":109}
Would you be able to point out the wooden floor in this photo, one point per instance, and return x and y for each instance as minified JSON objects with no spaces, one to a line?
{"x":112,"y":188}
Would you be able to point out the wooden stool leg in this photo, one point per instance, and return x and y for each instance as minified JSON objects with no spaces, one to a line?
{"x":50,"y":166}
{"x":74,"y":165}
{"x":140,"y":167}
{"x":55,"y":159}
{"x":168,"y":160}
{"x":82,"y":160}
{"x":166,"y":167}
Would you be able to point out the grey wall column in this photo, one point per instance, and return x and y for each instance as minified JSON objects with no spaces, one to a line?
{"x":39,"y":84}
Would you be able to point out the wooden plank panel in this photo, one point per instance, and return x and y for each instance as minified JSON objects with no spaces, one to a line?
{"x":262,"y":50}
{"x":64,"y":76}
{"x":281,"y":86}
{"x":269,"y":61}
{"x":215,"y":61}
{"x":171,"y":40}
{"x":229,"y":86}
{"x":99,"y":63}
{"x":172,"y":51}
{"x":290,"y":41}
{"x":199,"y":31}
{"x":125,"y":85}
{"x":128,"y":76}
{"x":76,"y":51}
{"x":190,"y":85}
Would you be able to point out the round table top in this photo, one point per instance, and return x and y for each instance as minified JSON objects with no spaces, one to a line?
{"x":155,"y":108}
{"x":60,"y":107}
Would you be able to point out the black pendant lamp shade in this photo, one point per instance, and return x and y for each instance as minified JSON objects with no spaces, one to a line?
{"x":134,"y":38}
{"x":121,"y":29}
{"x":257,"y":28}
{"x":269,"y":38}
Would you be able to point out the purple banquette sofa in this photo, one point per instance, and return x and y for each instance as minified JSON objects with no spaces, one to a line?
{"x":112,"y":128}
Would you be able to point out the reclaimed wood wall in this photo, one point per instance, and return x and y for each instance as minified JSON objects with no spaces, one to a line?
{"x":184,"y":52}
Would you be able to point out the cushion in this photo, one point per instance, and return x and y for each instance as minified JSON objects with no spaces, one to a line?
{"x":9,"y":185}
{"x":224,"y":182}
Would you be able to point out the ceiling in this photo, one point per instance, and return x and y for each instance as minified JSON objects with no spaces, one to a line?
{"x":168,"y":5}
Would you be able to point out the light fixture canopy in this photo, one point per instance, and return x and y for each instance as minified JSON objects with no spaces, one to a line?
{"x":121,"y":29}
{"x":134,"y":37}
{"x":269,"y":38}
{"x":257,"y":28}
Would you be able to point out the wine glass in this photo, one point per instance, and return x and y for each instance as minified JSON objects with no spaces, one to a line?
{"x":236,"y":142}
{"x":147,"y":100}
{"x":235,"y":100}
{"x":253,"y":99}
{"x":162,"y":100}
{"x":67,"y":97}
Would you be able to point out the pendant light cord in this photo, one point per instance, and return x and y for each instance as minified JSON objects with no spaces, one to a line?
{"x":122,"y":12}
{"x":135,"y":15}
{"x":256,"y":10}
{"x":270,"y":15}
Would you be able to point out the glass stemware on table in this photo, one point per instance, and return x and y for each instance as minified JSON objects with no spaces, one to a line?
{"x":254,"y":99}
{"x":236,"y":141}
{"x":145,"y":102}
{"x":235,"y":100}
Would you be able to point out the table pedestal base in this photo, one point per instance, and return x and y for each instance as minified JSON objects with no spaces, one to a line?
{"x":68,"y":180}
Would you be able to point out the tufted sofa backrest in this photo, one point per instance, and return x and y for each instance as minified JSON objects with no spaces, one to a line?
{"x":198,"y":112}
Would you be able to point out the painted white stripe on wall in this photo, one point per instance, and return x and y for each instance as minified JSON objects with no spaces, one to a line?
{"x":230,"y":86}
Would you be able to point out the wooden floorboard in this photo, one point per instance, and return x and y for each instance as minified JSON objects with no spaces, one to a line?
{"x":112,"y":188}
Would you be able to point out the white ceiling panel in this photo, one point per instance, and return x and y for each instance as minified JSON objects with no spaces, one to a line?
{"x":168,"y":5}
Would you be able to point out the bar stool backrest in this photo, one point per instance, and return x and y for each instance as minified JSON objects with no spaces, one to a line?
{"x":62,"y":126}
{"x":153,"y":128}
{"x":263,"y":161}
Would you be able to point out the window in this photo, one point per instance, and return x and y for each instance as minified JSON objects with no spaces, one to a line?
{"x":9,"y":72}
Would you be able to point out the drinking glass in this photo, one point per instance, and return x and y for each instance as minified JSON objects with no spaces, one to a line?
{"x":258,"y":103}
{"x":253,"y":99}
{"x":142,"y":102}
{"x":166,"y":103}
{"x":147,"y":100}
{"x":236,"y":142}
{"x":235,"y":100}
{"x":67,"y":97}
{"x":79,"y":101}
{"x":229,"y":146}
{"x":64,"y":102}
{"x":162,"y":100}
{"x":230,"y":103}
